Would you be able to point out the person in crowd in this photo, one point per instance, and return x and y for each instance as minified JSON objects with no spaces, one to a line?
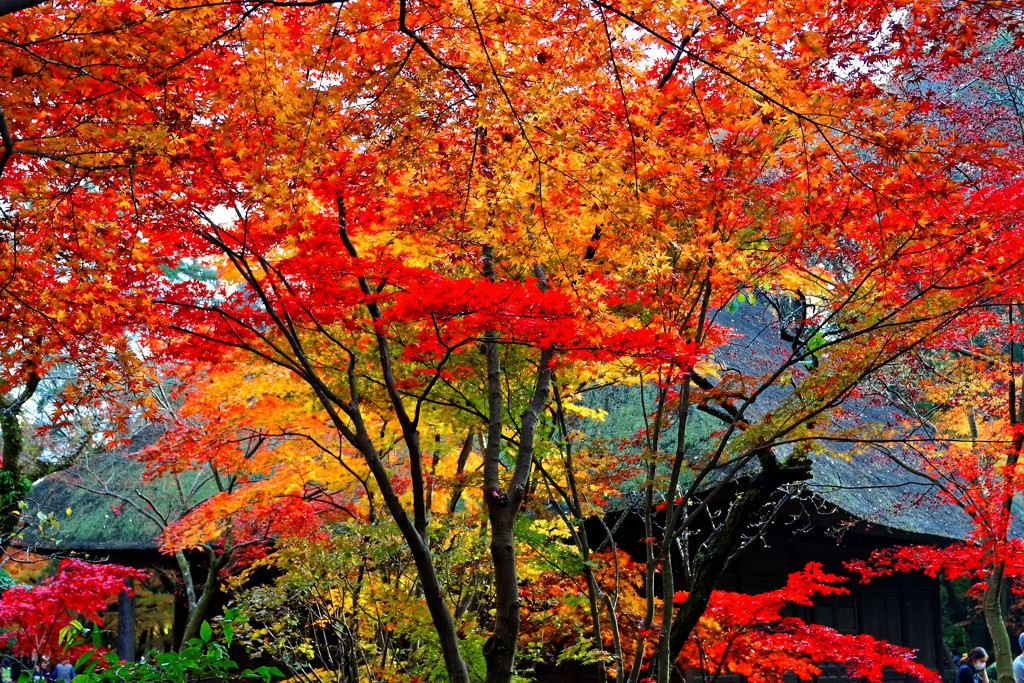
{"x":63,"y":672}
{"x":1018,"y":663}
{"x":973,"y":670}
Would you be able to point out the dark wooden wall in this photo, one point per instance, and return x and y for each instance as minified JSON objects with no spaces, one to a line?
{"x":902,"y":609}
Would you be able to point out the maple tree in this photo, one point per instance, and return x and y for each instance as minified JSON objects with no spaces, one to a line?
{"x":968,"y":416}
{"x":443,"y":219}
{"x":58,"y":308}
{"x":190,"y":485}
{"x":748,"y":635}
{"x":964,"y":410}
{"x":33,"y":616}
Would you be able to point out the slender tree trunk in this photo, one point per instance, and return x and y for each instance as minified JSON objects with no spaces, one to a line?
{"x":668,"y":590}
{"x":500,"y":648}
{"x":664,"y":658}
{"x":579,"y":536}
{"x":13,"y":485}
{"x":198,"y":602}
{"x":666,"y":655}
{"x":713,"y":558}
{"x":992,"y":607}
{"x":595,"y":595}
{"x":414,"y":531}
{"x":641,"y":640}
{"x":503,"y":504}
{"x":502,"y":508}
{"x":610,"y":605}
{"x":419,"y":548}
{"x":440,"y":614}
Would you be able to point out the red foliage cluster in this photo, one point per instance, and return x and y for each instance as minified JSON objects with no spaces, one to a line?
{"x":748,"y":634}
{"x":33,"y":616}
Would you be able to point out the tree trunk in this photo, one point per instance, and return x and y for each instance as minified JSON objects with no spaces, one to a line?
{"x":992,"y":607}
{"x":713,"y":558}
{"x":668,"y":590}
{"x":500,"y":648}
{"x":444,"y":624}
{"x":576,"y":527}
{"x":503,"y":503}
{"x":13,"y":486}
{"x":664,"y":658}
{"x":992,"y":604}
{"x":199,"y":602}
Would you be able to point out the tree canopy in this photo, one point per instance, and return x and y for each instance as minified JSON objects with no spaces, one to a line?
{"x":385,"y":248}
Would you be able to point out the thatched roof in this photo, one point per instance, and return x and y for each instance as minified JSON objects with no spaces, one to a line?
{"x":867,"y":482}
{"x":864,"y":485}
{"x":886,"y":497}
{"x":85,"y":519}
{"x":101,"y":504}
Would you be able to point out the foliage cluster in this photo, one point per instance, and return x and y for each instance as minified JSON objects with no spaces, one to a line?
{"x":32,"y":617}
{"x":201,"y":658}
{"x":383,"y":249}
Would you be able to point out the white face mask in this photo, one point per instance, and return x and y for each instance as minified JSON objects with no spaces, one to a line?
{"x":979,"y":667}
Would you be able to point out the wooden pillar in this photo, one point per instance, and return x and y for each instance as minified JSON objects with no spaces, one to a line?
{"x":126,"y":638}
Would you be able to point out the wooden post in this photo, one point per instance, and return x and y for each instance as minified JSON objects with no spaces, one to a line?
{"x":126,"y":622}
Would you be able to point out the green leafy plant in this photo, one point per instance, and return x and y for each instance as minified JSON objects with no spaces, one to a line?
{"x":201,"y":659}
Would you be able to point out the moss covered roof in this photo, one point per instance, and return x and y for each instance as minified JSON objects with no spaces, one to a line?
{"x":100,"y":503}
{"x":865,"y":486}
{"x":863,"y":483}
{"x":61,"y":514}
